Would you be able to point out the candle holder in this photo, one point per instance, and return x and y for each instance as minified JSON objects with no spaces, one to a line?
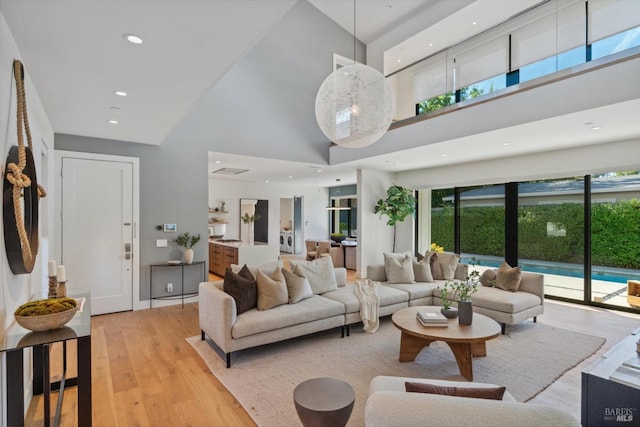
{"x":62,"y":289}
{"x":53,"y":287}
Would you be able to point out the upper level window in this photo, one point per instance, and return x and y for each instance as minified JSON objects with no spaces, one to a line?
{"x":616,"y":43}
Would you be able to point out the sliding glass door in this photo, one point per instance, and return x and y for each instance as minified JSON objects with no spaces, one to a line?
{"x":615,"y":237}
{"x":551,"y":234}
{"x":582,"y":233}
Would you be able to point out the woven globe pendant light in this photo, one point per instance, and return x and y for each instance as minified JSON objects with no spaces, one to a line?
{"x":354,"y":106}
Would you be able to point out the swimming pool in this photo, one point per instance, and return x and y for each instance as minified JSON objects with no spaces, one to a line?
{"x":570,"y":270}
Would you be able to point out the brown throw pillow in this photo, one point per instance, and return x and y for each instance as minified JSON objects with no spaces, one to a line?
{"x":493,"y":393}
{"x":488,"y":278}
{"x":245,"y":272}
{"x":508,"y":278}
{"x":243,"y":290}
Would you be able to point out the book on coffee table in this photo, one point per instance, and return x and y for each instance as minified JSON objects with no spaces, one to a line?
{"x":433,"y":324}
{"x":432,"y":319}
{"x":429,"y":317}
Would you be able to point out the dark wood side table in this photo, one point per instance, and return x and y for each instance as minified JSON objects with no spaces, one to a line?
{"x":17,"y":339}
{"x":324,"y":402}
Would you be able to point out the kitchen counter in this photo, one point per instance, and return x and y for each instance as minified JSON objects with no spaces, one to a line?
{"x":232,"y":243}
{"x":223,"y":253}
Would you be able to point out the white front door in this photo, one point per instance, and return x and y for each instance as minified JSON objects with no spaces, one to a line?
{"x":98,"y":231}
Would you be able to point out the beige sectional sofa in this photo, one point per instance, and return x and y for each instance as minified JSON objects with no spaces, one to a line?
{"x":340,"y":308}
{"x":388,"y":405}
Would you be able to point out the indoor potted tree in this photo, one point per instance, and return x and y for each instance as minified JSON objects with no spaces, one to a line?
{"x":398,"y":204}
{"x":187,"y":241}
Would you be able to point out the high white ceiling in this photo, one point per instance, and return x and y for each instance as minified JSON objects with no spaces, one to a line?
{"x":372,"y":18}
{"x":77,"y":57}
{"x":75,"y":54}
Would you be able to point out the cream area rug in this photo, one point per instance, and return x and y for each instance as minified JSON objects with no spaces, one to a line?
{"x":526,"y":360}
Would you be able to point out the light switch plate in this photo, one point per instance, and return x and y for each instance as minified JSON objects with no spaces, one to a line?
{"x":161,"y":243}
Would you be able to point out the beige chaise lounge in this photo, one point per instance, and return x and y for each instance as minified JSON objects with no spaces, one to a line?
{"x":505,"y":307}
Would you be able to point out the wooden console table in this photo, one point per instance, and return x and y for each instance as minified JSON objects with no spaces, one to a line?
{"x":17,"y":339}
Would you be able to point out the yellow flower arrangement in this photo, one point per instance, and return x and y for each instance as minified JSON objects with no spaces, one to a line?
{"x":436,"y":248}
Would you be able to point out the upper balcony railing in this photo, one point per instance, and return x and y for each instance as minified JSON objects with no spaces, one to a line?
{"x":555,"y":36}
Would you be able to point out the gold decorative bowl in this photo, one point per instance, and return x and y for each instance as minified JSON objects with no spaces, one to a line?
{"x":46,"y":322}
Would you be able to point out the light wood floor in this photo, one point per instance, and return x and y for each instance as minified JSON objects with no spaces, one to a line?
{"x":145,"y":373}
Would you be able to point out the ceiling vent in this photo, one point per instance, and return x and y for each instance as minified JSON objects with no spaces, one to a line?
{"x":229,"y":171}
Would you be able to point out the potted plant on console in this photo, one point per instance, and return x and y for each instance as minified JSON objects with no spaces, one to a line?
{"x":187,"y":241}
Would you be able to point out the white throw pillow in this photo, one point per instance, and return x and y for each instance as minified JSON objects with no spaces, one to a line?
{"x":268,"y":268}
{"x":298,"y":287}
{"x":319,"y":272}
{"x":399,"y":268}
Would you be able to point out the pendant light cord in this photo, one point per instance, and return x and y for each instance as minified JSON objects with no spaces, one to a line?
{"x":354,"y":32}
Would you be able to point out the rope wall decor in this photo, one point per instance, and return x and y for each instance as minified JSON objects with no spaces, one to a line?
{"x":21,"y":192}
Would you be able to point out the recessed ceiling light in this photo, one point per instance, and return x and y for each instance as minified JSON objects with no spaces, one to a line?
{"x":266,"y":181}
{"x":430,"y":44}
{"x":443,"y":155}
{"x":120,"y":92}
{"x":399,"y":60}
{"x":132,"y":38}
{"x":113,"y":122}
{"x":597,"y":127}
{"x":218,"y":162}
{"x":290,"y":176}
{"x":506,"y":143}
{"x":396,"y":163}
{"x":473,"y":23}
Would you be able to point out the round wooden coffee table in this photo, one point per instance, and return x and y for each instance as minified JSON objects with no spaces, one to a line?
{"x":464,"y":341}
{"x":324,"y":402}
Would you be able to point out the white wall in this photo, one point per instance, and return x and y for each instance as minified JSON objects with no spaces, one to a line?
{"x":16,"y":289}
{"x":608,"y":157}
{"x":314,"y":214}
{"x":375,"y":236}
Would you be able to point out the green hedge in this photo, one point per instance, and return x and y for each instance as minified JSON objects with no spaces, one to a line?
{"x":615,"y":232}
